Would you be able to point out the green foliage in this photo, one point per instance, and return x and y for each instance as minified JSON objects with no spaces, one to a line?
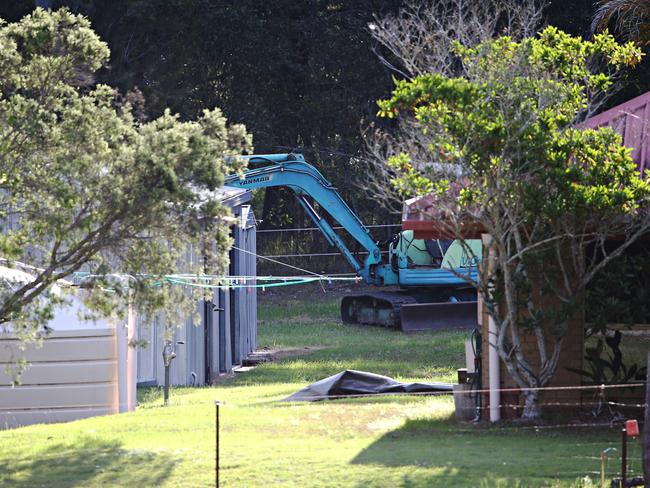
{"x":299,"y":75}
{"x":508,"y":129}
{"x":187,"y":55}
{"x":85,"y":186}
{"x":515,"y":117}
{"x":610,"y":370}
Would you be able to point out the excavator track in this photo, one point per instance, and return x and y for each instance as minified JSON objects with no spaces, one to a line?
{"x":405,"y":312}
{"x":374,"y":308}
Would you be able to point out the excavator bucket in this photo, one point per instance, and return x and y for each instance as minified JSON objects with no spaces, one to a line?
{"x":445,"y":315}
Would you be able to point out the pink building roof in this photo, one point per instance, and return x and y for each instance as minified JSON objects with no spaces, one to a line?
{"x":632,"y":120}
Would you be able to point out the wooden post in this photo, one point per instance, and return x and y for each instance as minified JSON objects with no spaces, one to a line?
{"x":646,"y":431}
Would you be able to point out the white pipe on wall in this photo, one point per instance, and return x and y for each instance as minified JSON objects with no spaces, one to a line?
{"x":493,"y":372}
{"x":121,"y":338}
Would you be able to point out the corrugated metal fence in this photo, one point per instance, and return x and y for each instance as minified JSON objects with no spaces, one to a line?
{"x":227,"y":328}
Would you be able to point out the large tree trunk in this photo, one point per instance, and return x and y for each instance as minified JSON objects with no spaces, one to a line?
{"x":532,"y":410}
{"x":527,"y":377}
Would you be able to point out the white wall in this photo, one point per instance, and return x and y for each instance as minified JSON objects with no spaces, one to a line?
{"x":79,"y":372}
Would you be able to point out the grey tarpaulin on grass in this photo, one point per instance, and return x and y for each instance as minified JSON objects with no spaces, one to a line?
{"x":351,"y":382}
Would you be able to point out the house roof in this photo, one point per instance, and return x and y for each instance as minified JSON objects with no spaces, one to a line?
{"x":234,"y":197}
{"x":632,"y":120}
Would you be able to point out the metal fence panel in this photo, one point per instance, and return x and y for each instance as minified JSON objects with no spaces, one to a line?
{"x":227,"y":328}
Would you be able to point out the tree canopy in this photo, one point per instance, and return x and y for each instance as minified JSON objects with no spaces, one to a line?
{"x":302,"y":76}
{"x":86,"y":187}
{"x":299,"y":75}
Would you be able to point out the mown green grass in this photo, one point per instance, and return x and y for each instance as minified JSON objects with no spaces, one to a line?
{"x":335,"y":347}
{"x":376,"y":442}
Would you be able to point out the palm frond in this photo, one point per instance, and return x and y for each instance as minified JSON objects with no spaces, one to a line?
{"x":632,"y":18}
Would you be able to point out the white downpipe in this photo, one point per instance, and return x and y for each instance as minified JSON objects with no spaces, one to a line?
{"x":494,"y":372}
{"x":125,"y":333}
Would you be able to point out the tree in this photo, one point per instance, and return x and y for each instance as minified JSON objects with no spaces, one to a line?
{"x":420,"y":39}
{"x":299,"y":75}
{"x":498,"y":145}
{"x":628,"y":20}
{"x":86,"y":187}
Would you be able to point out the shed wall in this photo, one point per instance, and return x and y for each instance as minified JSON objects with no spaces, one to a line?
{"x":189,"y":365}
{"x":226,"y":331}
{"x":244,"y":300}
{"x":75,"y":374}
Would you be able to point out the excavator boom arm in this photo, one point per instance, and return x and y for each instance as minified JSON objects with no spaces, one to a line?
{"x":292,"y":171}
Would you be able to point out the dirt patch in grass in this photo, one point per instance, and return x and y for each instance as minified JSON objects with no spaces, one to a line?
{"x":271,"y":354}
{"x":304,"y":319}
{"x":287,"y":352}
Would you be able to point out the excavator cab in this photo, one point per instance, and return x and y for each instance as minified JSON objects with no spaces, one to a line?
{"x":405,"y":251}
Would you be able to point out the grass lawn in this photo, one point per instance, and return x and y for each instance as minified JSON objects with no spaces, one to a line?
{"x":381,"y":442}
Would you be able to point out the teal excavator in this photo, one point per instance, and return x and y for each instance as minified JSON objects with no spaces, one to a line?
{"x":429,"y":277}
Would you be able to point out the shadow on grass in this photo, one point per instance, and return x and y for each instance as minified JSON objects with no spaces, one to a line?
{"x":401,"y":398}
{"x":89,"y":462}
{"x":453,"y":454}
